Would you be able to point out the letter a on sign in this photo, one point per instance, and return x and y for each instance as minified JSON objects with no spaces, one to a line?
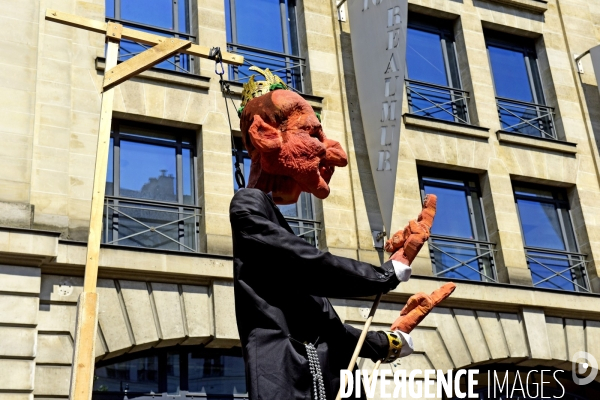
{"x":378,"y":29}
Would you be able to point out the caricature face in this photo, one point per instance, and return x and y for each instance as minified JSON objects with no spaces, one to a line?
{"x":289,"y":151}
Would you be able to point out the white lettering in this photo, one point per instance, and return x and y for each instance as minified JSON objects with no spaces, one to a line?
{"x":444,"y":381}
{"x":391,"y":84}
{"x":388,"y":111}
{"x":517,"y":378}
{"x":366,"y":4}
{"x":471,"y":383}
{"x":384,"y":161}
{"x":384,"y":140}
{"x":497,"y":384}
{"x":346,"y":375}
{"x":394,"y":17}
{"x":400,"y":384}
{"x":457,"y":392}
{"x":412,"y":384}
{"x":383,"y":390}
{"x":428,"y":383}
{"x":393,"y":39}
{"x":370,"y":386}
{"x":392,"y":66}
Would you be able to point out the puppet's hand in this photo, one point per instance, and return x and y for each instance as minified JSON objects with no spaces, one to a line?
{"x":418,"y":306}
{"x":406,"y":243}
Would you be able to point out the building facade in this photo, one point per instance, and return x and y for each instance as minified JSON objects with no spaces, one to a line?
{"x":498,"y":121}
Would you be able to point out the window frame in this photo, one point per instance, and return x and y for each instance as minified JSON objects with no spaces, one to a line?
{"x":291,"y":44}
{"x":527,"y":48}
{"x":480,"y":239}
{"x":543,"y":125}
{"x":443,"y":28}
{"x":559,"y":205}
{"x":175,"y":32}
{"x":176,"y":133}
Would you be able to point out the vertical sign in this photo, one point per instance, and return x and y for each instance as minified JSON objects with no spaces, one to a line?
{"x":378,"y":31}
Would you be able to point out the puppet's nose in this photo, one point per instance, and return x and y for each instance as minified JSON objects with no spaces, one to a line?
{"x":335,"y":155}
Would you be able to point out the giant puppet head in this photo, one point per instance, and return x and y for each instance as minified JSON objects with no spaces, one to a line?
{"x":284,"y":138}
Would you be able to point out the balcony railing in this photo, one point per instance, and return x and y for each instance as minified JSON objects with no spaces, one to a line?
{"x":151,"y":224}
{"x":307,"y":229}
{"x":128,"y":49}
{"x":290,"y":68}
{"x":457,"y":258}
{"x":555,"y":269}
{"x":526,"y":118}
{"x":435,"y":101}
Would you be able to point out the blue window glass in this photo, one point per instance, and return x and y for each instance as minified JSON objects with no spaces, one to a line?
{"x":510,"y":73}
{"x":520,"y":98}
{"x":550,"y":244}
{"x":458,"y":244}
{"x":424,"y":57}
{"x":433,"y":84}
{"x":189,"y":371}
{"x":273,"y":44}
{"x":169,"y":18}
{"x":151,"y":176}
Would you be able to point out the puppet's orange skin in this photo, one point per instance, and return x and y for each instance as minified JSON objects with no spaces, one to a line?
{"x":289,"y":150}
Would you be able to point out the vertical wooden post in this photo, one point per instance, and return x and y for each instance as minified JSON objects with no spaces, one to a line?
{"x":87,"y":308}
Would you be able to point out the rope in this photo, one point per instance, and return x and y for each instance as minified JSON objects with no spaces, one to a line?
{"x":215,"y":54}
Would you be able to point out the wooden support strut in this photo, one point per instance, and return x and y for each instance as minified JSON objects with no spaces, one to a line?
{"x":135,"y":35}
{"x":162,"y":48}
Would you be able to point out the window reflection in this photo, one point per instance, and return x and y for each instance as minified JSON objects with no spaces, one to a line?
{"x":433,"y":84}
{"x":551,"y":248}
{"x":150,"y":197}
{"x":179,"y":370}
{"x":458,"y":245}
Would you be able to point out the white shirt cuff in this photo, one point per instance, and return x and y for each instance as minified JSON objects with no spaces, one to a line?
{"x":407,"y":344}
{"x":402,"y":270}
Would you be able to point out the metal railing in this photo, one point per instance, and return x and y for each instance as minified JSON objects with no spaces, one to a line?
{"x":291,"y":69}
{"x":151,"y":224}
{"x":307,"y":229}
{"x":462,"y":258}
{"x":554,"y":269}
{"x":526,"y":118}
{"x":435,"y":101}
{"x":128,"y":49}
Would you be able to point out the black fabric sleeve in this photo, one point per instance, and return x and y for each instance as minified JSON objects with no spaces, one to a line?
{"x":376,"y":344}
{"x":290,"y":260}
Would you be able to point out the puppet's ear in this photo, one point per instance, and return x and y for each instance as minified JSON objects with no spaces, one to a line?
{"x":263,"y":136}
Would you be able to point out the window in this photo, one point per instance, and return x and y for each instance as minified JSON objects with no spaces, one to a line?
{"x":458,"y":244}
{"x":433,"y":84}
{"x":170,"y":18}
{"x":150,"y":188}
{"x":300,"y":216}
{"x":181,"y":370}
{"x":265,"y":32}
{"x":550,"y":244}
{"x":519,"y":95}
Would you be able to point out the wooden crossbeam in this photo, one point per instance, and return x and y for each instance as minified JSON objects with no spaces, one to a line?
{"x":135,"y":35}
{"x":144,"y":61}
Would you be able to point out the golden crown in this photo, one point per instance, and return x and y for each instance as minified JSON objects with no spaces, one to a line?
{"x":254,"y":88}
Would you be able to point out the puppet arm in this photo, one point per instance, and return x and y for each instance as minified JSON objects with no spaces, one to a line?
{"x":290,"y":260}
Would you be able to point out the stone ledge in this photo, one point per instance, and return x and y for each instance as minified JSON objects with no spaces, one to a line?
{"x":316,"y":102}
{"x":538,"y":143}
{"x":171,"y":77}
{"x":446,"y":126}
{"x":201,"y":269}
{"x":537,"y":6}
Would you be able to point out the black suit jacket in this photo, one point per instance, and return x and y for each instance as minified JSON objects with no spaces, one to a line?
{"x":280,"y":281}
